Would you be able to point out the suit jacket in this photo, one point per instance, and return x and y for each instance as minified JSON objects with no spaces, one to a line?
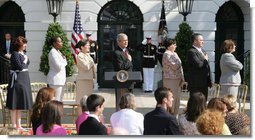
{"x":120,"y":61}
{"x":3,"y":50}
{"x":86,"y":68}
{"x":199,"y":74}
{"x":57,"y":72}
{"x":91,"y":126}
{"x":160,"y":122}
{"x":230,"y":68}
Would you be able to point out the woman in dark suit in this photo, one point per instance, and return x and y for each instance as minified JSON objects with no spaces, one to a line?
{"x":230,"y":77}
{"x":19,"y":96}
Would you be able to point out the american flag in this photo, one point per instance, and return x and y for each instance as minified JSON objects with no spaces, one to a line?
{"x":77,"y":33}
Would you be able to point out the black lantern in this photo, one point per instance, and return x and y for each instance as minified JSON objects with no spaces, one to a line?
{"x":185,"y":7}
{"x":54,"y":7}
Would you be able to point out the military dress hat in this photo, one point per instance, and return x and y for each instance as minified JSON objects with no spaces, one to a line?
{"x":148,"y":37}
{"x":88,"y":33}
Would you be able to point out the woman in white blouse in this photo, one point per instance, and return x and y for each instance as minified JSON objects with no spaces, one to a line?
{"x":86,"y":72}
{"x":56,"y":77}
{"x":172,"y":72}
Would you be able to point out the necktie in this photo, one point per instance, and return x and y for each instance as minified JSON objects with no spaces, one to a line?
{"x":126,"y":52}
{"x":8,"y":46}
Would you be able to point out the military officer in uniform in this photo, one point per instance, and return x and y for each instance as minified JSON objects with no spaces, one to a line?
{"x":148,"y":64}
{"x":93,"y":47}
{"x":160,"y":51}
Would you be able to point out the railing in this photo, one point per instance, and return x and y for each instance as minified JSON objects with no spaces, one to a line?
{"x":4,"y":70}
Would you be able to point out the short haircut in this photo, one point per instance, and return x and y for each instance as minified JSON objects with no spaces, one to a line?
{"x":121,"y":36}
{"x":93,"y":101}
{"x":19,"y":42}
{"x":210,"y":122}
{"x":161,"y":93}
{"x":52,"y":113}
{"x":216,"y":103}
{"x":169,"y":41}
{"x":195,"y":106}
{"x":227,"y":46}
{"x":83,"y":103}
{"x":230,"y":101}
{"x":195,"y":36}
{"x":54,"y":39}
{"x":81,"y":43}
{"x":127,"y":101}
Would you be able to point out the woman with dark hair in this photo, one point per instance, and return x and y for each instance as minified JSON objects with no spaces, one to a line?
{"x":44,"y":95}
{"x":86,"y":72}
{"x":56,"y":77}
{"x":172,"y":72}
{"x":187,"y":121}
{"x":52,"y":113}
{"x":19,"y":96}
{"x":126,"y":114}
{"x":230,"y":68}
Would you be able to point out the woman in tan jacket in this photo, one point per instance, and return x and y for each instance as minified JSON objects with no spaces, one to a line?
{"x":172,"y":72}
{"x":86,"y":72}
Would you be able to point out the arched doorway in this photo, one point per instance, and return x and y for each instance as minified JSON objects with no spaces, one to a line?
{"x":229,"y":26}
{"x":115,"y":17}
{"x":11,"y":20}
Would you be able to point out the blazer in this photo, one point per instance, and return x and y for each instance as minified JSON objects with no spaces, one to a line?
{"x":120,"y":61}
{"x":199,"y":74}
{"x":57,"y":72}
{"x":85,"y":65}
{"x":3,"y":50}
{"x":91,"y":126}
{"x":172,"y":66}
{"x":230,"y":68}
{"x":160,"y":122}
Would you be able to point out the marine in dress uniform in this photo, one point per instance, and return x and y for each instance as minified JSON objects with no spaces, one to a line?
{"x":149,"y":62}
{"x":93,"y":47}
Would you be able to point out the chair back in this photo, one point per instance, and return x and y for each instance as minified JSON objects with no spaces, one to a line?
{"x":35,"y":87}
{"x":69,"y":92}
{"x":5,"y":111}
{"x":214,"y":91}
{"x":241,"y":97}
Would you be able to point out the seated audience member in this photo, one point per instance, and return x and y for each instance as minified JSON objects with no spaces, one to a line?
{"x":119,"y":131}
{"x":195,"y":106}
{"x":85,"y":113}
{"x":218,"y":104}
{"x":9,"y":131}
{"x":160,"y":121}
{"x":128,"y":114}
{"x":210,"y":122}
{"x":235,"y":120}
{"x":52,"y":113}
{"x":246,"y":131}
{"x":92,"y":125}
{"x":44,"y":95}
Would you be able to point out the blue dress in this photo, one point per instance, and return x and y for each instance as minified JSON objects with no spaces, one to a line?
{"x":19,"y":95}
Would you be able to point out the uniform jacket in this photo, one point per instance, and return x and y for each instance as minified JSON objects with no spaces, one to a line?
{"x":230,"y":68}
{"x":86,"y":68}
{"x":93,"y":50}
{"x":149,"y":50}
{"x":160,"y":122}
{"x":198,"y":69}
{"x":120,"y":61}
{"x":57,"y":72}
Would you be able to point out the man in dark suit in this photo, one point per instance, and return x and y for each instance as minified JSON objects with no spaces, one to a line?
{"x":122,"y":60}
{"x":199,"y":75}
{"x":93,"y":125}
{"x":160,"y":121}
{"x":6,"y":46}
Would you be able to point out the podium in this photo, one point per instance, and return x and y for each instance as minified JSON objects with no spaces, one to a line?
{"x":122,"y":79}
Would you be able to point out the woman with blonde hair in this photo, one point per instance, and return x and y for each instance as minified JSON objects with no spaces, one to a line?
{"x":127,"y":118}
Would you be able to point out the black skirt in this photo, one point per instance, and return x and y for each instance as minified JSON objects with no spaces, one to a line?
{"x":19,"y":96}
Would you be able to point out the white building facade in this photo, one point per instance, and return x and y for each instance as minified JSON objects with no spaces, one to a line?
{"x":205,"y":18}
